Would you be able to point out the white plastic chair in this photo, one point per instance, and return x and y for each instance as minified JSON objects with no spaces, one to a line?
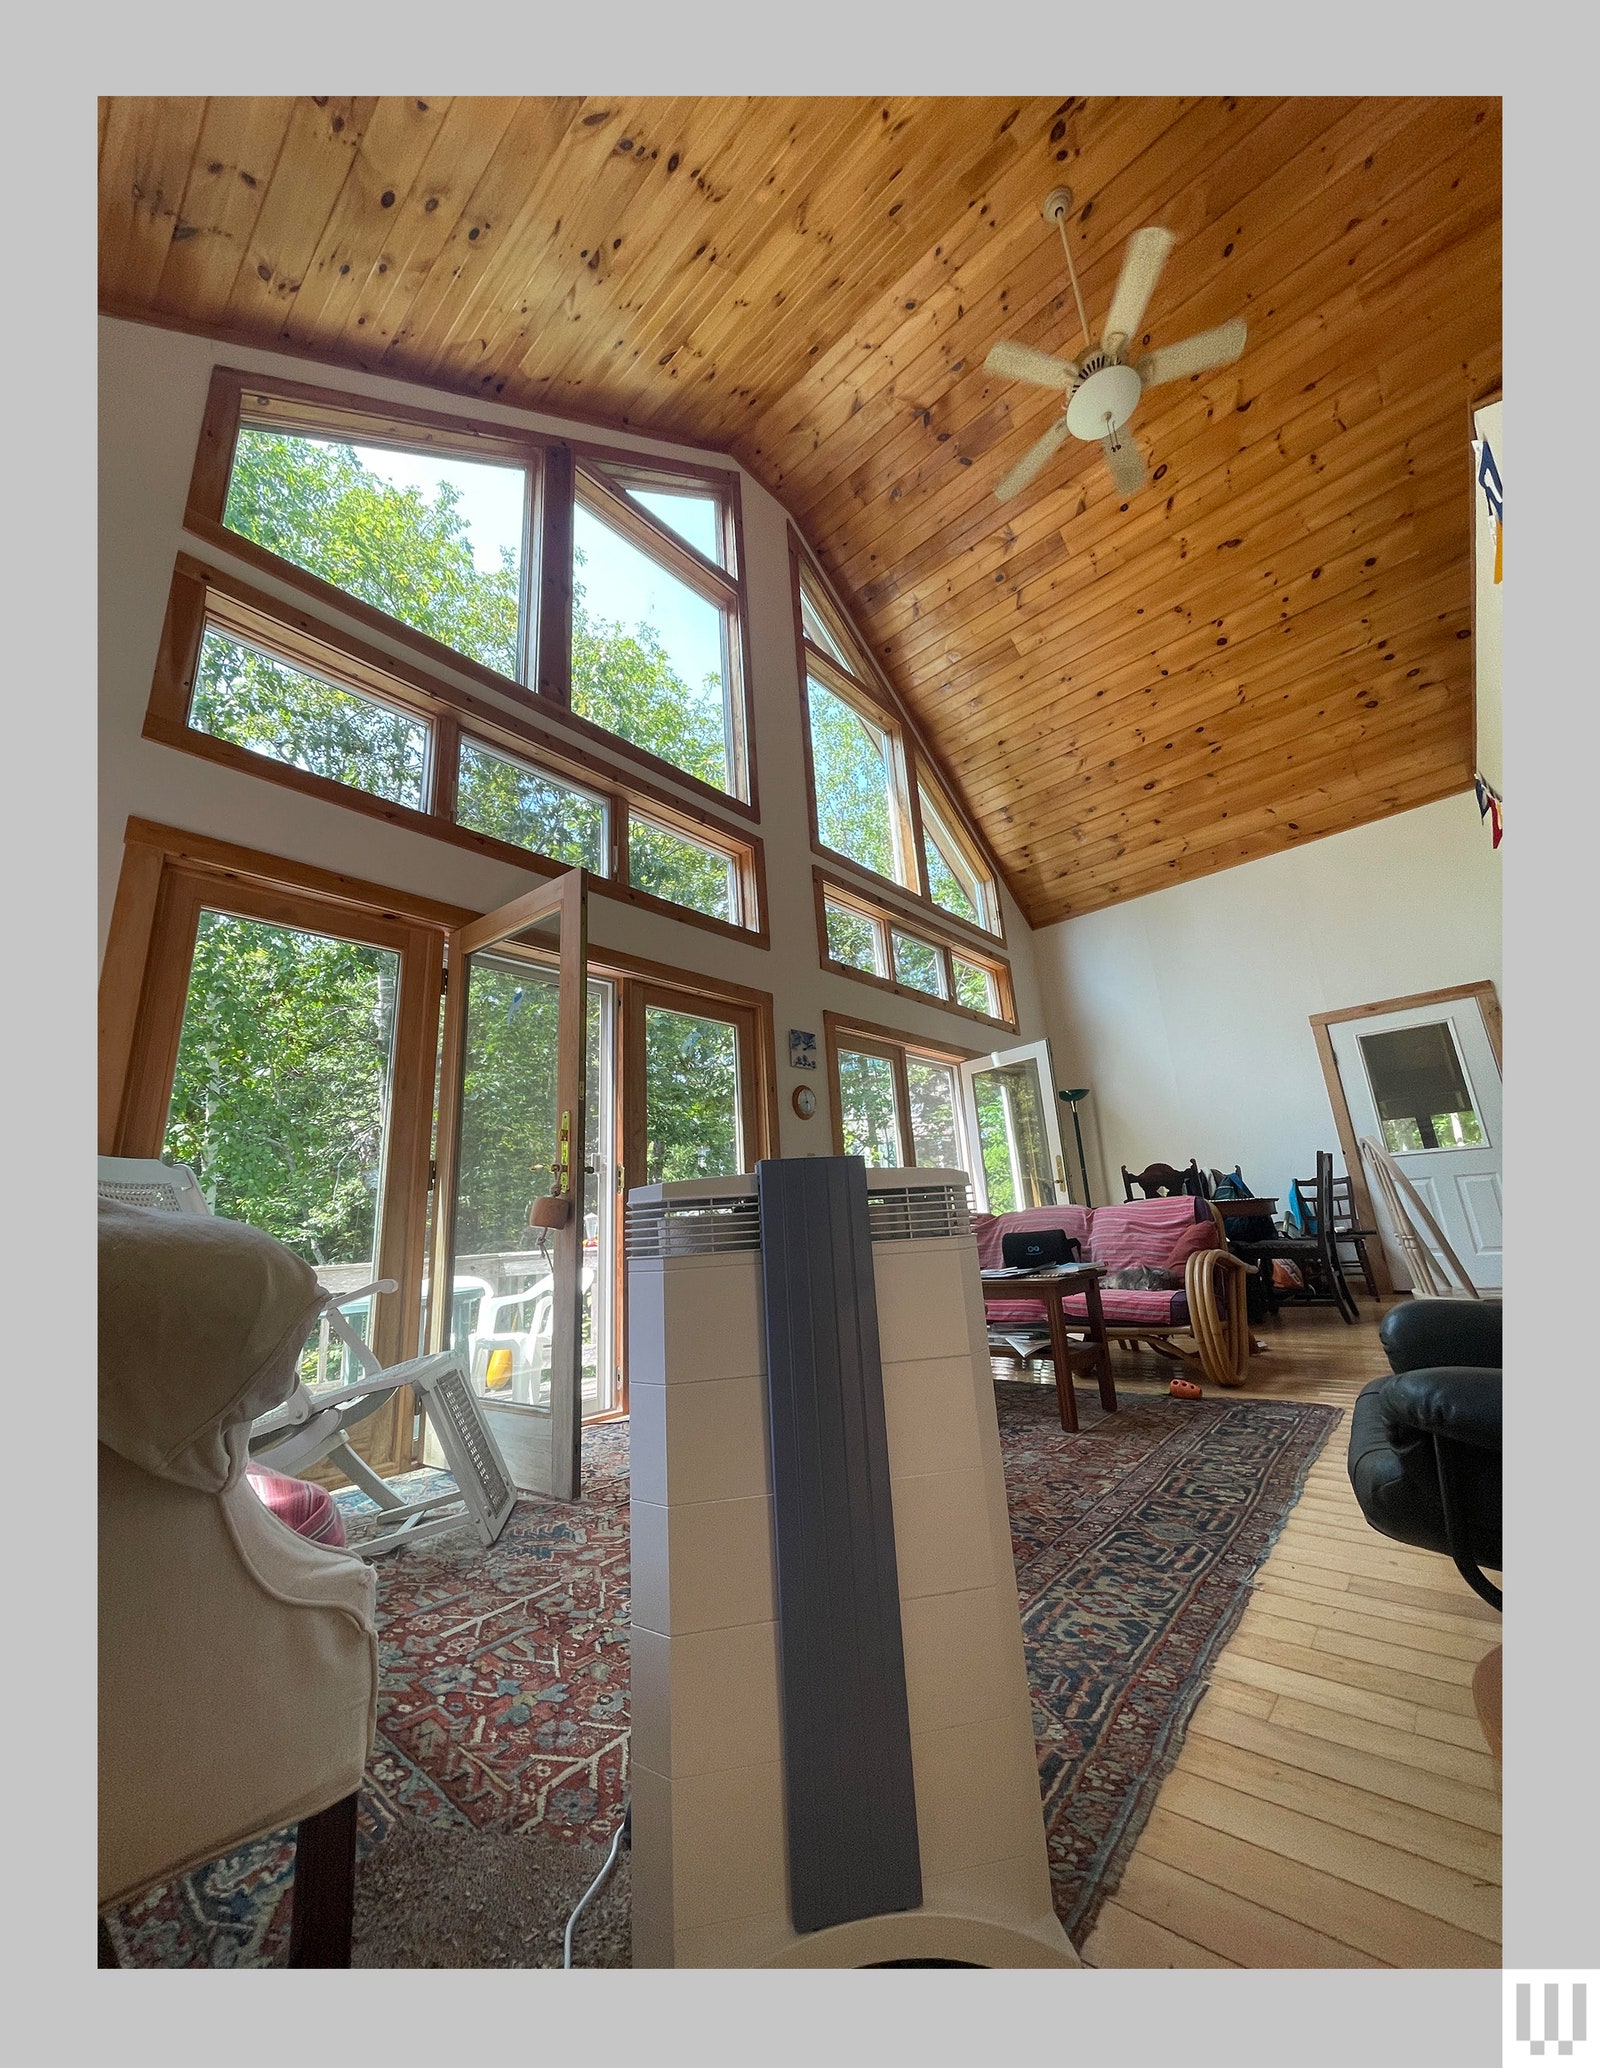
{"x":312,"y":1425}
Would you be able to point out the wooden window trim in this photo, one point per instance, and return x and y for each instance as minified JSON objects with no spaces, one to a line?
{"x":866,"y":1037}
{"x":159,"y":901}
{"x":202,"y":594}
{"x":550,"y":461}
{"x":827,"y":887}
{"x":879,"y":703}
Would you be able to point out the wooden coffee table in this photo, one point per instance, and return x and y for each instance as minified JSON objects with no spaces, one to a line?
{"x":1052,"y":1287}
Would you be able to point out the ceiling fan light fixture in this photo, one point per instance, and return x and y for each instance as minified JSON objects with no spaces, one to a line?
{"x":1104,"y":402}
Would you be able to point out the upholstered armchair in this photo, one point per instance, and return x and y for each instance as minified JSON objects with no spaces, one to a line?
{"x":1425,"y":1449}
{"x":238,"y":1668}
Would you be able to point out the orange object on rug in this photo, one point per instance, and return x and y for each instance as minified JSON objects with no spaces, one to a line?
{"x":1183,"y":1389}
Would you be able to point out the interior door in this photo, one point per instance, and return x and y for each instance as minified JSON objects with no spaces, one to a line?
{"x":1425,"y":1083}
{"x":513,"y":1125}
{"x":1009,"y":1099}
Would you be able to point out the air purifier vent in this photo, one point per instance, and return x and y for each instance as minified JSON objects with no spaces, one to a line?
{"x":692,"y":1227}
{"x":921,"y":1214}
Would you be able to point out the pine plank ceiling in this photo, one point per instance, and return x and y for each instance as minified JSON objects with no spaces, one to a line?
{"x":1269,"y":643}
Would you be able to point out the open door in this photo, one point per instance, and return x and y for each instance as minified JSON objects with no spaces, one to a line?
{"x":1009,"y":1099}
{"x":513,"y":1114}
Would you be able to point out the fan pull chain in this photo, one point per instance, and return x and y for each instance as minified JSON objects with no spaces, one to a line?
{"x":1072,"y":275}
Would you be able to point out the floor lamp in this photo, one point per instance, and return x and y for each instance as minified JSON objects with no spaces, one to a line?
{"x":1071,"y":1098}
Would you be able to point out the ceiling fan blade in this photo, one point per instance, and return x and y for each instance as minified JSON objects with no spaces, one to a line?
{"x":1033,"y":460}
{"x":1141,"y":269}
{"x":1125,"y":462}
{"x":1023,"y":363}
{"x":1197,"y":354}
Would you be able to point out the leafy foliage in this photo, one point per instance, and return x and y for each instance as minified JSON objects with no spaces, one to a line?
{"x":867,"y":1108}
{"x":679,"y":869}
{"x":247,"y":696}
{"x":498,"y":796}
{"x":281,"y":1090}
{"x":691,"y":1096}
{"x":849,"y":760}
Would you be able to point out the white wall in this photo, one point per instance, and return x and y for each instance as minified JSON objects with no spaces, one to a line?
{"x":1187,"y":1012}
{"x":153,"y":387}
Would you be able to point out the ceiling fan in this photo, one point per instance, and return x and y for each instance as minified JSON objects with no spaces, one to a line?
{"x":1101,"y":390}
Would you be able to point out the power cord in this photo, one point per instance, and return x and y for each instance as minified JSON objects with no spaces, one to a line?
{"x":624,"y":1836}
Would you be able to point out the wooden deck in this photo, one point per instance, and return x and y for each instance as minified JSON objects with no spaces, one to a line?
{"x":1335,"y":1803}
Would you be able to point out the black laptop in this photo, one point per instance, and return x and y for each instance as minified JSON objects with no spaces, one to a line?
{"x":1037,"y":1249}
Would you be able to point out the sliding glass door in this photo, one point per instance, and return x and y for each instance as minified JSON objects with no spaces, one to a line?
{"x":1010,"y":1102}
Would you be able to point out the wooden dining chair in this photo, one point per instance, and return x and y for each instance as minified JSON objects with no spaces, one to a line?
{"x":1159,"y":1180}
{"x":1316,"y":1251}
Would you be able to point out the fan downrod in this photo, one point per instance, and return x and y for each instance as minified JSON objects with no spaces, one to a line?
{"x":1057,"y":204}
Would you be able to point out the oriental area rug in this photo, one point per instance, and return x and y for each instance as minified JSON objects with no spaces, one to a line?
{"x":501,"y":1762}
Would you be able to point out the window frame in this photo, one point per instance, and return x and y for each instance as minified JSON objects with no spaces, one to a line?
{"x":554,"y":465}
{"x":201,"y":595}
{"x":829,"y":889}
{"x":916,"y":768}
{"x":144,"y":985}
{"x":865,"y":1037}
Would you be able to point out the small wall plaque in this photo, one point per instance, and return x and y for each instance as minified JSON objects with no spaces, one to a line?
{"x":802,"y":1049}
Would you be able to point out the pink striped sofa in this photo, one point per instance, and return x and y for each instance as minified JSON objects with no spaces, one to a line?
{"x":1180,"y":1235}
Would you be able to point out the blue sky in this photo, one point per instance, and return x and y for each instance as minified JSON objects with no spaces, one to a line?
{"x":618,"y":580}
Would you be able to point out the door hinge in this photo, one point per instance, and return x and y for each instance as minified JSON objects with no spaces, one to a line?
{"x":444,"y":979}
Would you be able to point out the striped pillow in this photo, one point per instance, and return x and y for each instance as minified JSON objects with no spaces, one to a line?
{"x":310,"y":1511}
{"x":1164,"y":1232}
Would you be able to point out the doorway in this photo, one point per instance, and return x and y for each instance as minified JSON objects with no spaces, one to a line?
{"x":289,"y":1033}
{"x":1421,"y":1076}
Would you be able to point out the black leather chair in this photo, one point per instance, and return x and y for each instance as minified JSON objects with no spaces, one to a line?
{"x":1425,"y":1443}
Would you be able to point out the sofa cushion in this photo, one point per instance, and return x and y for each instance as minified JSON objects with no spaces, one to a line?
{"x":201,"y":1324}
{"x":989,"y":1228}
{"x":1164,"y":1232}
{"x":1152,"y":1310}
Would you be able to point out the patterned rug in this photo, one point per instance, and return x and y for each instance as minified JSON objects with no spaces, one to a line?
{"x":504,"y":1699}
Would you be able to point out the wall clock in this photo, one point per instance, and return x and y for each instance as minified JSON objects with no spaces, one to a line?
{"x":805,"y":1101}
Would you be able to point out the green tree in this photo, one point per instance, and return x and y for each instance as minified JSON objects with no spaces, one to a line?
{"x":848,"y":760}
{"x":281,"y":1090}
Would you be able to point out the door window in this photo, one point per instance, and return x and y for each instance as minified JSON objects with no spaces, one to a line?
{"x":693,"y":1122}
{"x":1421,"y":1090}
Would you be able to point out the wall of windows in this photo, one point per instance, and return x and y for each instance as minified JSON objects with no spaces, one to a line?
{"x":875,"y":800}
{"x":239,"y":681}
{"x":862,"y":937}
{"x":268,"y":679}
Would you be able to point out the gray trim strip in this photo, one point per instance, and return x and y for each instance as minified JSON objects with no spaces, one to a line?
{"x":846,"y":1731}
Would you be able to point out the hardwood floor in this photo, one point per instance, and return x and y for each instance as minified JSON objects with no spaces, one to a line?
{"x":1335,"y":1803}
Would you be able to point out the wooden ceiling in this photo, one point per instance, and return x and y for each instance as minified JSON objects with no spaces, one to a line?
{"x":1270,"y":642}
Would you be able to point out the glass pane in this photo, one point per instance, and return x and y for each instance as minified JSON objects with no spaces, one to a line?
{"x":695,"y":518}
{"x":497,"y":795}
{"x":501,"y":1293}
{"x":945,"y":888}
{"x":691,"y":1089}
{"x":1012,"y":1138}
{"x":817,"y":632}
{"x":648,"y":660}
{"x":672,"y":866}
{"x":1419,"y":1085}
{"x":280,"y":1101}
{"x":434,"y":542}
{"x":975,"y":988}
{"x":257,"y":701}
{"x":855,"y":939}
{"x":918,"y":964}
{"x":866,"y":1109}
{"x":935,"y":1136}
{"x":852,"y":766}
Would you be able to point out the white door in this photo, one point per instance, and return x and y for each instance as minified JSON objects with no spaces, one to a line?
{"x":1014,"y":1142}
{"x":1425,"y":1084}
